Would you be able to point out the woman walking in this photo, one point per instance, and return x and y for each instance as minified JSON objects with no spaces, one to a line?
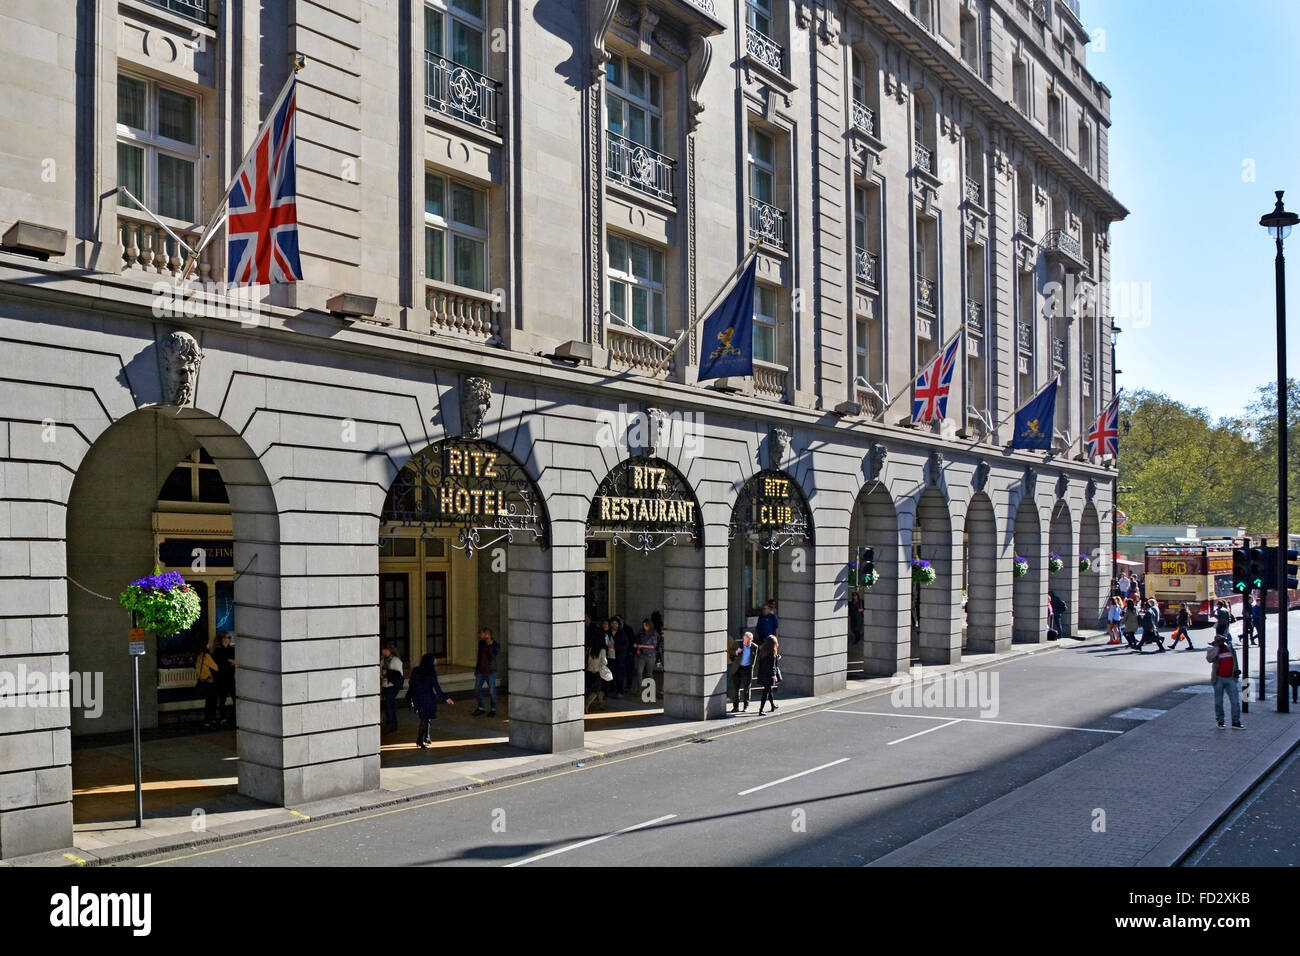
{"x":1131,"y":623}
{"x":425,"y":692}
{"x":768,"y":652}
{"x":206,"y":670}
{"x":1150,"y":629}
{"x":1114,"y":614}
{"x":1181,"y":628}
{"x":596,"y":663}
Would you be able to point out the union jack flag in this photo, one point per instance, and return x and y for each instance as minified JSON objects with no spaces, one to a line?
{"x":1103,"y":438}
{"x":262,"y":220}
{"x":930,"y":402}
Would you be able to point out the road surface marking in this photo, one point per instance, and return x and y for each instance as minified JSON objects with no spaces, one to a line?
{"x":793,"y":776}
{"x":972,"y":720}
{"x":1138,"y":713}
{"x":578,"y":846}
{"x":922,"y":733}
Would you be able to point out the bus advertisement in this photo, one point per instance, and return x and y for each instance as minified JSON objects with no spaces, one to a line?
{"x":1197,"y":575}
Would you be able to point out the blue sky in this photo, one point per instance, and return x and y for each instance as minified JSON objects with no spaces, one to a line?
{"x":1204,"y":126}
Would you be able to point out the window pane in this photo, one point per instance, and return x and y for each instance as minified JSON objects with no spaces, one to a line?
{"x":636,"y":81}
{"x":765,"y":302}
{"x":432,"y":31}
{"x":657,"y":266}
{"x":761,"y":185}
{"x":434,"y":254}
{"x":654,"y":89}
{"x":130,"y":102}
{"x":657,"y":324}
{"x":470,"y":261}
{"x":614,"y":70}
{"x":640,"y":261}
{"x":473,"y":7}
{"x":618,"y":299}
{"x":761,"y":147}
{"x":640,"y":308}
{"x":176,"y":116}
{"x":656,"y":137}
{"x":175,"y":187}
{"x":468,"y":207}
{"x":467,"y":46}
{"x":433,"y":196}
{"x":636,"y":125}
{"x":617,"y":252}
{"x":130,"y":172}
{"x":614,"y":115}
{"x":764,"y":336}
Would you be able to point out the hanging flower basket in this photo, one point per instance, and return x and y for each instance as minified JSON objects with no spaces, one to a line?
{"x":162,"y":603}
{"x":1019,"y":566}
{"x":1054,"y":563}
{"x":1084,"y":562}
{"x":922,"y":572}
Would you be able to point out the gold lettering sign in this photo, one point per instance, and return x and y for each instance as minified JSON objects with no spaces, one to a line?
{"x":645,"y":502}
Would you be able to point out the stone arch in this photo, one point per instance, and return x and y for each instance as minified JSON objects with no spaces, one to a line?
{"x":1065,"y":582}
{"x":1028,"y":592}
{"x":886,"y":604}
{"x":937,"y":606}
{"x":982,"y":559}
{"x":1092,"y":583}
{"x":110,"y":541}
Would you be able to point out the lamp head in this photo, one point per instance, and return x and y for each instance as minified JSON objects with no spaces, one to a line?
{"x":1279,"y":222}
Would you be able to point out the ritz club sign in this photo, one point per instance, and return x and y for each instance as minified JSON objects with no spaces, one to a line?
{"x":645,"y":503}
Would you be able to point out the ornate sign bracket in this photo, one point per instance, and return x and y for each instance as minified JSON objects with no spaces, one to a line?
{"x":644,"y":503}
{"x":772,"y":511}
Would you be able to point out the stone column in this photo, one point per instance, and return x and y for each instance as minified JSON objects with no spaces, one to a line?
{"x":796,"y":570}
{"x":1029,"y":593}
{"x":694,"y":673}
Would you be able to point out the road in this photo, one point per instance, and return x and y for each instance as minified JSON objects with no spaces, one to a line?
{"x":840,"y":785}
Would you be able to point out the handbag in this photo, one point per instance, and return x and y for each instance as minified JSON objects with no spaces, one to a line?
{"x":606,"y":674}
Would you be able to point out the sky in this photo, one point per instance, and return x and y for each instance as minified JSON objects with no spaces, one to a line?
{"x":1204,"y":110}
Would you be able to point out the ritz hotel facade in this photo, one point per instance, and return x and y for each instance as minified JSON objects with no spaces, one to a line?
{"x":467,"y":412}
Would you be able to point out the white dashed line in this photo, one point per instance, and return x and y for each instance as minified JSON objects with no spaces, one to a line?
{"x":793,"y":776}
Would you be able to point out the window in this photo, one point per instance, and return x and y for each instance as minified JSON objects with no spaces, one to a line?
{"x":157,"y":147}
{"x":862,"y":346}
{"x":195,"y":478}
{"x":766,"y":312}
{"x":921,"y":10}
{"x":1054,"y":126}
{"x":1020,"y":84}
{"x":762,"y":166}
{"x":865,"y":85}
{"x":761,"y":571}
{"x":636,"y":283}
{"x":634,"y":103}
{"x":758,"y":16}
{"x":455,"y":232}
{"x":1085,"y":146}
{"x":455,"y":31}
{"x":974,"y":185}
{"x":970,"y":40}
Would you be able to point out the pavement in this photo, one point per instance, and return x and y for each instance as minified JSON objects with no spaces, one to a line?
{"x":1019,"y":787}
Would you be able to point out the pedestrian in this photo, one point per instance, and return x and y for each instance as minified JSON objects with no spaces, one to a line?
{"x":205,"y":678}
{"x":625,"y":647}
{"x":1114,"y":614}
{"x":1059,"y":613}
{"x":622,"y":659}
{"x":647,"y":655}
{"x":1257,"y":619}
{"x":1224,"y":672}
{"x":485,"y":672}
{"x":1150,"y":632}
{"x":746,"y":652}
{"x":1131,"y":623}
{"x":1181,"y":628}
{"x":1223,"y":618}
{"x":1124,"y":584}
{"x":224,"y":655}
{"x":425,"y":692}
{"x":391,"y":680}
{"x":597,"y":665}
{"x":768,"y":623}
{"x":768,"y":657}
{"x":657,"y":622}
{"x":1049,"y":614}
{"x":856,"y":618}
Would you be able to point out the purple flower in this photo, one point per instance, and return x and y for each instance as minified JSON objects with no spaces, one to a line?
{"x":159,"y":582}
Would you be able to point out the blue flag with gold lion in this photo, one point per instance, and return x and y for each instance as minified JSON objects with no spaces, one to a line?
{"x":727,"y":345}
{"x":1035,"y":420}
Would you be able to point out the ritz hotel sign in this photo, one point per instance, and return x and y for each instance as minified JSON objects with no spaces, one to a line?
{"x":468,"y":501}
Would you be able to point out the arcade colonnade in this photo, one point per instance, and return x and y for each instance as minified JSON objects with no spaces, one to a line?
{"x":712,"y":505}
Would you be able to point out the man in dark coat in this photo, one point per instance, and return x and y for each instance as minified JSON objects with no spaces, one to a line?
{"x":485,"y":672}
{"x":425,"y":692}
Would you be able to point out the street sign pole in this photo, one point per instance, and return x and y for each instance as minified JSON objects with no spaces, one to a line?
{"x":1247,"y":626}
{"x":136,"y":650}
{"x":1260,"y":633}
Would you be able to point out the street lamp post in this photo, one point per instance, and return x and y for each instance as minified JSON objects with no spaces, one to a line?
{"x":1279,"y":222}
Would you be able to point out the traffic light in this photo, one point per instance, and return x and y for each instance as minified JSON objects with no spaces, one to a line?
{"x":1270,"y":567}
{"x":1258,"y":568}
{"x":867,"y":566}
{"x":1241,"y":570}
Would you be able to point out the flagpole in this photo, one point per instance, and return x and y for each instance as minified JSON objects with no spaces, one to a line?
{"x":162,"y":225}
{"x":299,"y":61}
{"x":946,"y":343}
{"x":703,"y":313}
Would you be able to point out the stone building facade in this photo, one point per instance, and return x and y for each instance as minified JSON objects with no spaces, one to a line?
{"x":538,"y":197}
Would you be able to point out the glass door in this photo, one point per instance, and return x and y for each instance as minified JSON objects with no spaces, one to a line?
{"x":395,"y":614}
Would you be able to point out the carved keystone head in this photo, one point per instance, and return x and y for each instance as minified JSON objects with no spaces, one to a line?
{"x":475,"y":400}
{"x":981,"y":477}
{"x":179,"y":355}
{"x":878,"y":455}
{"x":778,"y":443}
{"x":656,"y":422}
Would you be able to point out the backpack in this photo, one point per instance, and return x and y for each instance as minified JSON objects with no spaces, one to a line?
{"x":395,"y":678}
{"x":1225,"y":666}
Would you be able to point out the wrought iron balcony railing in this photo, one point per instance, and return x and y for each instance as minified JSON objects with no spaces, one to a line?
{"x":975,"y":316}
{"x":925,"y":289}
{"x":1058,"y":353}
{"x":864,"y":118}
{"x":1060,"y":244}
{"x":974,"y":191}
{"x":1022,"y":223}
{"x":707,"y":6}
{"x":1086,"y":363}
{"x":764,"y":49}
{"x":865,"y":266}
{"x":197,"y":10}
{"x":924,"y":158}
{"x":1025,"y":337}
{"x":767,"y":223}
{"x":461,"y":93}
{"x":640,"y":167}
